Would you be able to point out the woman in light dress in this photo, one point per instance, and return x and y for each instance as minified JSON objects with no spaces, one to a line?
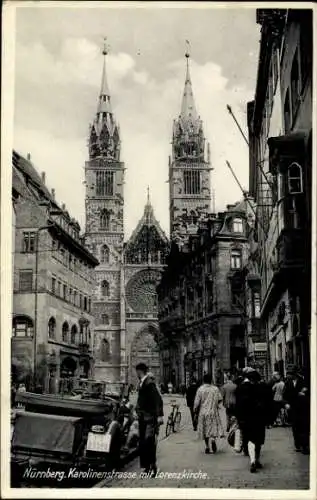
{"x":206,"y":405}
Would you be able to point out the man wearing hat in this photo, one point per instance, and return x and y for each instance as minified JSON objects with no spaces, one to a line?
{"x":294,"y":394}
{"x":251,"y":412}
{"x":149,"y":409}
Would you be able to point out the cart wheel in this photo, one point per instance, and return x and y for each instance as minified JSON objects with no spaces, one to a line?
{"x":169,"y":427}
{"x":177,"y":421}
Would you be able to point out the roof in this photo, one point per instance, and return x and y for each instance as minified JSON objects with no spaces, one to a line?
{"x":148,"y":219}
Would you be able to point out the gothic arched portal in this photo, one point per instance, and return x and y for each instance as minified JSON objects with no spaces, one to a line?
{"x":144,"y":349}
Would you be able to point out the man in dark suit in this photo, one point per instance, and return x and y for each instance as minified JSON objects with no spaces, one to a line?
{"x":150,"y":413}
{"x":294,"y":393}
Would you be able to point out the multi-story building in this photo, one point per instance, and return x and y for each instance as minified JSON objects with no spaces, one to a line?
{"x":124,"y":299}
{"x":202,"y":300}
{"x":280,"y":132}
{"x":189,"y":169}
{"x":52,"y":323}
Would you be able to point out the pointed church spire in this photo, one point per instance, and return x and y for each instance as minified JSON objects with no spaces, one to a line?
{"x":104,"y":137}
{"x":104,"y":97}
{"x":148,"y":209}
{"x":188,"y":109}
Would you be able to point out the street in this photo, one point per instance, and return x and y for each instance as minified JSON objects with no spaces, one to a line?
{"x":183,"y":453}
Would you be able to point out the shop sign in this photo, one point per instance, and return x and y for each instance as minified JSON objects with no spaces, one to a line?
{"x":260,"y":346}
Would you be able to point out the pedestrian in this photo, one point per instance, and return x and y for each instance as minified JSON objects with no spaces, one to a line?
{"x":278,"y":396}
{"x":228,"y":391}
{"x":170,"y":387}
{"x":190,"y":399}
{"x":149,"y":409}
{"x":21,"y":388}
{"x":206,"y":405}
{"x":297,"y":401}
{"x":251,"y":411}
{"x":271,"y":383}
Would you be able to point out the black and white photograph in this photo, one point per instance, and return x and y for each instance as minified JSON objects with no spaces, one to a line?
{"x":158,"y":250}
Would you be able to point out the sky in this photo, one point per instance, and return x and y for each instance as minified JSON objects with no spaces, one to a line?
{"x":58,"y":66}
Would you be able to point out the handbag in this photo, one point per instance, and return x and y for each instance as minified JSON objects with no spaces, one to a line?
{"x":234,"y":438}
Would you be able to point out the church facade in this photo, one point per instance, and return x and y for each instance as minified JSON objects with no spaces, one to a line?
{"x":125,"y":300}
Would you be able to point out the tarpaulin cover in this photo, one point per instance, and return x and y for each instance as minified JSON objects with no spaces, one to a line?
{"x":52,"y":433}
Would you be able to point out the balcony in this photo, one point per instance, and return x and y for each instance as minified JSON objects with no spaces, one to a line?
{"x":290,"y":250}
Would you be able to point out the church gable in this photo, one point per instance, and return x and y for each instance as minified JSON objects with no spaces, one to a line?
{"x":148,"y":243}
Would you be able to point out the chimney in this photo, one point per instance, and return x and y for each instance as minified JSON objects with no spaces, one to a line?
{"x":43,"y":177}
{"x":63,"y":207}
{"x":28,"y":157}
{"x":53,"y":194}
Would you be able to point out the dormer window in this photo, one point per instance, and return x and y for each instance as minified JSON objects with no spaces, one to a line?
{"x":237,"y":225}
{"x":295,"y":179}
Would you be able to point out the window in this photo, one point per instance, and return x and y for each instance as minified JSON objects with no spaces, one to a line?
{"x":236,"y":259}
{"x":287,"y":113}
{"x":295,"y":84}
{"x":25,"y":280}
{"x":59,"y":289}
{"x":105,"y":319}
{"x":80,"y":301}
{"x":104,"y":183}
{"x":85,"y":303}
{"x":52,"y":328}
{"x":70,"y":295}
{"x":104,"y":257}
{"x":64,"y":292}
{"x":65,"y":330}
{"x":75,"y":298}
{"x":105,"y":350}
{"x":256,"y":304}
{"x":22,"y":326}
{"x":28,"y":244}
{"x":105,"y":292}
{"x":192,"y":182}
{"x":295,"y":180}
{"x":237,"y":226}
{"x":105,"y":219}
{"x":89,"y":305}
{"x":73,"y":335}
{"x":53,"y":285}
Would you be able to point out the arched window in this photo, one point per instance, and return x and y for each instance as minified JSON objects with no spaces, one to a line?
{"x":65,"y":330}
{"x":295,"y":179}
{"x":104,"y":254}
{"x":105,"y":219}
{"x":105,"y":319}
{"x":105,"y":289}
{"x":51,"y":328}
{"x":73,"y":335}
{"x":22,"y":326}
{"x":237,"y":225}
{"x":105,"y":350}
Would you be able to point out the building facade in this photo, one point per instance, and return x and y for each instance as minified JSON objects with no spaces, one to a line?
{"x":124,"y":299}
{"x":202,"y":300}
{"x":280,"y":131}
{"x":52,"y":323}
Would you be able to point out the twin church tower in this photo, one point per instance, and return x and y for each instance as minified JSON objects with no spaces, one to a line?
{"x":125,"y":301}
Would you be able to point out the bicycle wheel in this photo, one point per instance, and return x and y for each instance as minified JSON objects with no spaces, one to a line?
{"x":177,"y":422}
{"x":169,"y":427}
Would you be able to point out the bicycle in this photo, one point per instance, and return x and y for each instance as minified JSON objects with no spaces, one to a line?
{"x":173,"y":420}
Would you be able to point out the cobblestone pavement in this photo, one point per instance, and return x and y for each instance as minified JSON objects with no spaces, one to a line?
{"x":283,"y":468}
